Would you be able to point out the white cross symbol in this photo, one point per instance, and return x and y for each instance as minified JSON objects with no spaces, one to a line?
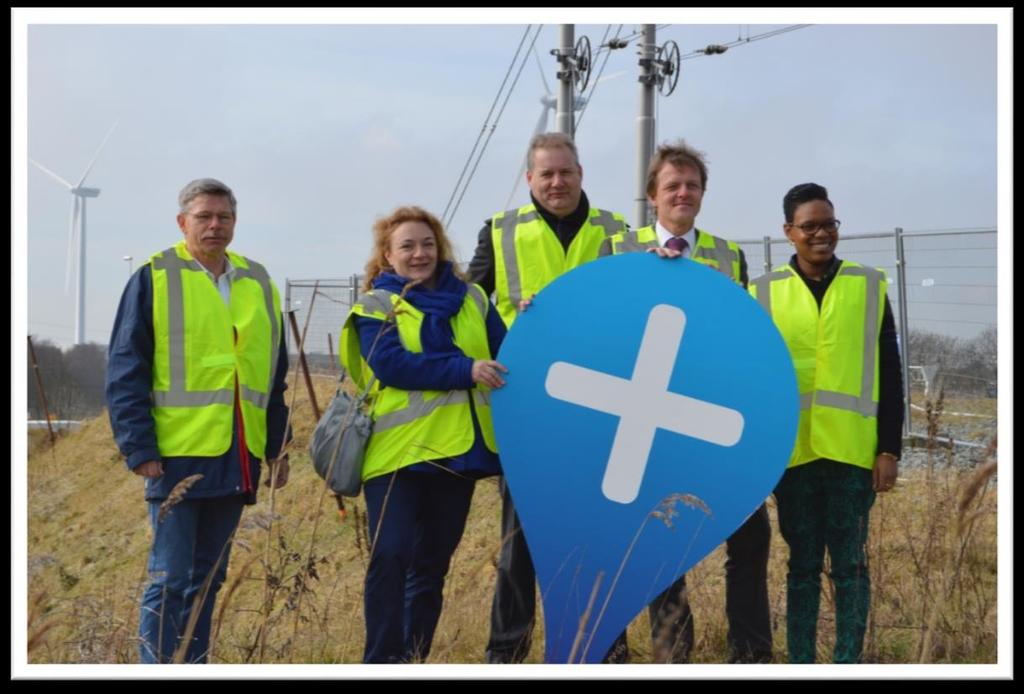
{"x":644,"y":403}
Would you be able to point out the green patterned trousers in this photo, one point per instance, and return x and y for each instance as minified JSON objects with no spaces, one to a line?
{"x":824,"y":505}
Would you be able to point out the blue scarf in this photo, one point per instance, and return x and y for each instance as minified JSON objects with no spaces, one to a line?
{"x":438,"y":305}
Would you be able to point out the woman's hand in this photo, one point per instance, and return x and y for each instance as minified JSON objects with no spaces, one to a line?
{"x":488,"y":372}
{"x":883,"y":476}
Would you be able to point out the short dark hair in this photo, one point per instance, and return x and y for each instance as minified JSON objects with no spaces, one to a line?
{"x":798,"y":195}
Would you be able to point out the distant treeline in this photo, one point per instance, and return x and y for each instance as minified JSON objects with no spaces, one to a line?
{"x":72,"y":379}
{"x":974,"y":360}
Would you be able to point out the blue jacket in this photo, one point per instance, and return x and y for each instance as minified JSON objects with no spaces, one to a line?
{"x":129,"y":383}
{"x":395,"y":366}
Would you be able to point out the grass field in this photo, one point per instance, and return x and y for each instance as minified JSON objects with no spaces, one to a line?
{"x":294,"y":587}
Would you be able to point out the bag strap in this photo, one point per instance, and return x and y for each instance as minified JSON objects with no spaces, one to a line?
{"x":359,"y":396}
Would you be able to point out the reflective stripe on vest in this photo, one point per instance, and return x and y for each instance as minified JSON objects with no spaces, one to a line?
{"x":708,"y":248}
{"x":178,"y":395}
{"x":408,"y":425}
{"x":864,"y":404}
{"x":720,"y":252}
{"x":511,"y":219}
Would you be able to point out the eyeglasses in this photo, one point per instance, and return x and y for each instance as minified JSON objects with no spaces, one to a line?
{"x":830,"y":226}
{"x":205,"y":217}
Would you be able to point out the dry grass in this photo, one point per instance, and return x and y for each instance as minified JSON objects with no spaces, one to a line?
{"x":931,"y":550}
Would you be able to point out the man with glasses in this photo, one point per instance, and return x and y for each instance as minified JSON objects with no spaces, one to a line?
{"x":195,"y":389}
{"x":676,"y":182}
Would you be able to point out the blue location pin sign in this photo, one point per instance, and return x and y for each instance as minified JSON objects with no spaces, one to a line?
{"x":650,"y":407}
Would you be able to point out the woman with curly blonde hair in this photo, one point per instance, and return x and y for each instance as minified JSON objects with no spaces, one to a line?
{"x":429,"y":338}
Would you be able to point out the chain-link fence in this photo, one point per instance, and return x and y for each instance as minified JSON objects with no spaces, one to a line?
{"x":318,"y":309}
{"x":943,"y":291}
{"x":942,"y":287}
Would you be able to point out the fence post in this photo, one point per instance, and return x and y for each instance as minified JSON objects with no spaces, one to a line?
{"x":287,"y":308}
{"x":39,"y":386}
{"x":353,"y":290}
{"x":901,"y":281}
{"x":303,"y":366}
{"x":767,"y":254}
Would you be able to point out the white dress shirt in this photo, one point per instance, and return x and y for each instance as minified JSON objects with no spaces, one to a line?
{"x":664,"y":235}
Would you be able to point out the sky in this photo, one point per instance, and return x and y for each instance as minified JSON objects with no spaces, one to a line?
{"x":322,"y":127}
{"x":322,"y":121}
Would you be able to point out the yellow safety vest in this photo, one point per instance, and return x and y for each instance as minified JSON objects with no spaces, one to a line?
{"x":835,"y":355}
{"x":715,"y":252}
{"x":410,"y":426}
{"x":528,"y":254}
{"x":201,"y":345}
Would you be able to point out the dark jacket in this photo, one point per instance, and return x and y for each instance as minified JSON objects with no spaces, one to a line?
{"x":128,"y":387}
{"x":395,"y":366}
{"x":481,"y":267}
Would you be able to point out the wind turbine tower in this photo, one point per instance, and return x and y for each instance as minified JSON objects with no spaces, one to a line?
{"x":76,"y":235}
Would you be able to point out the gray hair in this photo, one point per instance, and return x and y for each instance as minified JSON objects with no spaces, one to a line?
{"x":550,"y":141}
{"x":205,"y":186}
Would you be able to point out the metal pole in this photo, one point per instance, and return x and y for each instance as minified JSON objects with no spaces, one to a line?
{"x":767,"y":254}
{"x":303,"y":365}
{"x":564,"y":118}
{"x":353,"y":290}
{"x":80,"y":308}
{"x":901,"y":280}
{"x":287,"y":308}
{"x":330,"y":350}
{"x":39,"y":387}
{"x":645,"y":121}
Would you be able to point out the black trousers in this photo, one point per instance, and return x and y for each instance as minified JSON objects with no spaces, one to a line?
{"x":746,"y":604}
{"x":514,"y":607}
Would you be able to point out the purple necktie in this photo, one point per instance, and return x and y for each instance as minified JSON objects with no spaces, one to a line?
{"x":677,"y":243}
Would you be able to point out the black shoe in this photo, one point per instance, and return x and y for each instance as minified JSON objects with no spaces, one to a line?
{"x":503,"y":658}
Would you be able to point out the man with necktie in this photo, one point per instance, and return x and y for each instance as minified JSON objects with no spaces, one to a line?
{"x":676,"y":183}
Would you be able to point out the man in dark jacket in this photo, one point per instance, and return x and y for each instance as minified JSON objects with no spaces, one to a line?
{"x":519,"y":252}
{"x":195,"y":389}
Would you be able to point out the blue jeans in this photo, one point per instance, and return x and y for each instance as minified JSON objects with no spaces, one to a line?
{"x":419,"y":529}
{"x":190,"y":542}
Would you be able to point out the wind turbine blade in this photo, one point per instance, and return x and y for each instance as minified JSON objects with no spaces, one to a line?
{"x":47,"y":171}
{"x":547,"y":89}
{"x":72,"y":245}
{"x":612,"y":76}
{"x":97,"y":156}
{"x":541,"y":126}
{"x":515,"y":186}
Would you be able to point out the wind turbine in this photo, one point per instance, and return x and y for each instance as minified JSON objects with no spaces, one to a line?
{"x":76,"y":233}
{"x":548,"y":103}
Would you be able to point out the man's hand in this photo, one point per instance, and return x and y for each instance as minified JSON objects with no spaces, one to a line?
{"x":280,"y":467}
{"x":150,"y":468}
{"x":663,"y":252}
{"x":525,"y":303}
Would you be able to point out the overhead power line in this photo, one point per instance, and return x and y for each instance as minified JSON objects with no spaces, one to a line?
{"x":446,"y":217}
{"x":611,"y":45}
{"x":719,"y":48}
{"x":497,"y":97}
